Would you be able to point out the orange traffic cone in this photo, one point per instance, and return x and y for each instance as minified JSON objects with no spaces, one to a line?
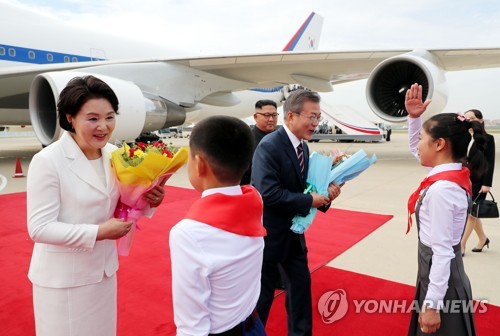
{"x":19,"y":169}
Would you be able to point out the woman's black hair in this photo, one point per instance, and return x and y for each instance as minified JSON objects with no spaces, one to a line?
{"x":477,"y":113}
{"x":77,"y":92}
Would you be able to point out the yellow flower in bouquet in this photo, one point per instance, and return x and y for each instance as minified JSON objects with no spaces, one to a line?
{"x":140,"y":167}
{"x":141,"y":163}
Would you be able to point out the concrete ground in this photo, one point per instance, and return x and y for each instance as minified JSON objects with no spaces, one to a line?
{"x":384,"y":188}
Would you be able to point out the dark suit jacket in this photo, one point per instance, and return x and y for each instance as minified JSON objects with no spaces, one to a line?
{"x":276,"y":175}
{"x":485,"y":179}
{"x":490,"y":157}
{"x":258,"y":135}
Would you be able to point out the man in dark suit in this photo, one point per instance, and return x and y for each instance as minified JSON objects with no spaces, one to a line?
{"x":279,"y":171}
{"x":266,"y":120}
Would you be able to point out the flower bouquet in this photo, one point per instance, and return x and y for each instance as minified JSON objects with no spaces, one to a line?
{"x":335,"y":167}
{"x":140,"y":167}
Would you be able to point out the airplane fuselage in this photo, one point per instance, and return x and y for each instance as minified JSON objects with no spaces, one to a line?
{"x":41,"y":40}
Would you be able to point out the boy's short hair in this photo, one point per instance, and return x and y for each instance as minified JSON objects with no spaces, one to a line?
{"x":227,"y":143}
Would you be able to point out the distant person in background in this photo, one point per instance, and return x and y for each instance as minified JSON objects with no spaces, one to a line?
{"x":481,"y":183}
{"x":266,"y":121}
{"x":71,"y":197}
{"x":389,"y":131}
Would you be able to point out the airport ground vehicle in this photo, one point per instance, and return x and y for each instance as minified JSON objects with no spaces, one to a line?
{"x":343,"y":124}
{"x":174,"y":132}
{"x":347,"y":137}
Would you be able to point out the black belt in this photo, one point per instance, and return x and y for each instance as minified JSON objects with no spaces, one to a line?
{"x":237,"y":330}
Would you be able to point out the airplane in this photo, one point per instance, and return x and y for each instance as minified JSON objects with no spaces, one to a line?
{"x":159,"y":113}
{"x":306,"y":38}
{"x":156,"y":92}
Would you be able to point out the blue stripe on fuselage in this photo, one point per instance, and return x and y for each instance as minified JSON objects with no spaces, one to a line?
{"x":38,"y":56}
{"x":268,"y":90}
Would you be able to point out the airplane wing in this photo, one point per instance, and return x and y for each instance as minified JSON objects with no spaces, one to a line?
{"x":155,"y":93}
{"x":179,"y":83}
{"x":332,"y":66}
{"x":238,"y":72}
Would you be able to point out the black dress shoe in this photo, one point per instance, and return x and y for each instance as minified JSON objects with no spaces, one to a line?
{"x":486,"y":243}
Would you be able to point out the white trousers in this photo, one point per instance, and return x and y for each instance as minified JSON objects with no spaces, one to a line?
{"x":78,"y":311}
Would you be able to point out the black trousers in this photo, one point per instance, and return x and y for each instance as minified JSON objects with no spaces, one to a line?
{"x":297,"y":281}
{"x":252,"y":326}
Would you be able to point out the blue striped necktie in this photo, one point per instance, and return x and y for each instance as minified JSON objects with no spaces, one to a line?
{"x":300,"y":155}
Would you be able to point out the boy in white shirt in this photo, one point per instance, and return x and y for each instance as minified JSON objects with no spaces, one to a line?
{"x":216,"y":250}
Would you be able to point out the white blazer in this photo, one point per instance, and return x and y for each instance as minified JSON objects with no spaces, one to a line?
{"x":66,"y":201}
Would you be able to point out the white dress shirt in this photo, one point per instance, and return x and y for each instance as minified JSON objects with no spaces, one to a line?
{"x":293,"y":138}
{"x":215,"y":274}
{"x":442,"y":218}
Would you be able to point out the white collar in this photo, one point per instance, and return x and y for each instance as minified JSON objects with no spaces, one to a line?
{"x":232,"y":190}
{"x":444,"y":167}
{"x":293,"y":138}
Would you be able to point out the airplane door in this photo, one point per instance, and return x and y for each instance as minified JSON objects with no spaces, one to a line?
{"x":97,"y":54}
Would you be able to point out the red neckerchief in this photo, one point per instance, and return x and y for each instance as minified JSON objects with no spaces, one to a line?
{"x":239,"y":214}
{"x":460,"y":177}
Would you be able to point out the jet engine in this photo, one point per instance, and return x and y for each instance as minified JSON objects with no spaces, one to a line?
{"x":388,"y":82}
{"x":138,"y":111}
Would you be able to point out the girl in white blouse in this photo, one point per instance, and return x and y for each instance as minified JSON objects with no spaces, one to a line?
{"x":443,"y":298}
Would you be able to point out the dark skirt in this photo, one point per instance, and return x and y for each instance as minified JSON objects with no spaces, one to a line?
{"x":457,"y":315}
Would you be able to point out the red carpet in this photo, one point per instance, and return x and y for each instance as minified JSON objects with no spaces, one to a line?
{"x":372,"y":317}
{"x":145,"y":305}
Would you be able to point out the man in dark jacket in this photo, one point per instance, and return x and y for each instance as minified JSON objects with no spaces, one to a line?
{"x":279,"y":170}
{"x":266,"y":121}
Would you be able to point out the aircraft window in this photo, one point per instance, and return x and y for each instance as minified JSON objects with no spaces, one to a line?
{"x":31,"y":54}
{"x":66,"y":59}
{"x":2,"y":51}
{"x":75,"y":59}
{"x":12,"y":52}
{"x":50,"y":57}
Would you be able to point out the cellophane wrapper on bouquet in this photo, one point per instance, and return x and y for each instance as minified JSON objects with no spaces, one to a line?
{"x":324,"y":169}
{"x":138,"y":168}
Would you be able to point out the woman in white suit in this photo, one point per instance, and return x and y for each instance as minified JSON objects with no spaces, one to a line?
{"x":71,"y":198}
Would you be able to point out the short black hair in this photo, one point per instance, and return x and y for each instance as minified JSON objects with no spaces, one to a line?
{"x":265,"y":102}
{"x":77,"y":92}
{"x":227,"y":143}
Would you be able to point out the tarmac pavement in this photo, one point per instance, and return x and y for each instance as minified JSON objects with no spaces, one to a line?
{"x":384,"y":188}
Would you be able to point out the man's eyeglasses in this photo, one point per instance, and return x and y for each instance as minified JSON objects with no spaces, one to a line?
{"x":313,"y":118}
{"x":268,"y":115}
